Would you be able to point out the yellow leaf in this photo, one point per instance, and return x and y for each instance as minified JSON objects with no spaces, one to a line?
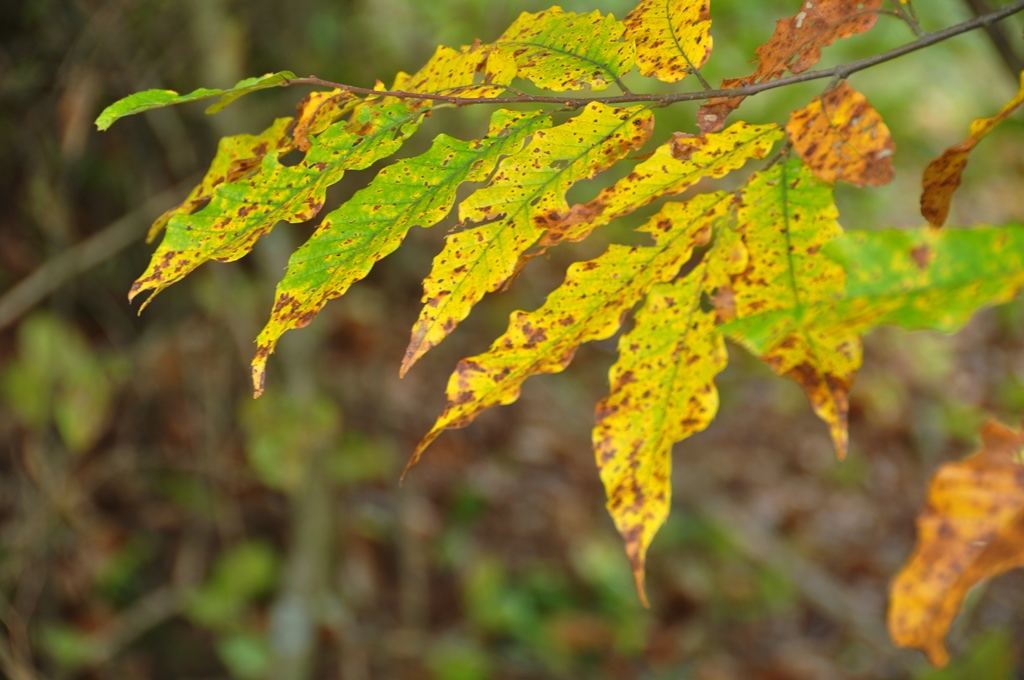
{"x":662,"y":391}
{"x":562,"y":51}
{"x":452,"y":72}
{"x":237,"y":157}
{"x":589,"y":305}
{"x":840,"y":136}
{"x":943,"y":175}
{"x":787,"y":215}
{"x":672,"y":37}
{"x":672,"y":168}
{"x":316,"y":112}
{"x":526,"y":191}
{"x":971,"y":529}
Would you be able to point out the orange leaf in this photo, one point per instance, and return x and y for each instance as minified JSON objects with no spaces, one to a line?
{"x":795,"y":47}
{"x":971,"y":529}
{"x":943,"y":174}
{"x":840,"y":136}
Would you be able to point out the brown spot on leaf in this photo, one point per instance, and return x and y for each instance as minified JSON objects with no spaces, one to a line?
{"x":922,"y":256}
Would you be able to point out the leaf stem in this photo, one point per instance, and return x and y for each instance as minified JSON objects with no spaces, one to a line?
{"x":842,"y":71}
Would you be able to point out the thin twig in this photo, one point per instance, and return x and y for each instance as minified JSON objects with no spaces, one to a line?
{"x":842,"y":71}
{"x":83,"y":256}
{"x":905,"y":11}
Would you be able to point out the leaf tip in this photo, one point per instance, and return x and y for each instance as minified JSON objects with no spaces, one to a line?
{"x":259,"y":376}
{"x":420,"y":448}
{"x":641,"y":586}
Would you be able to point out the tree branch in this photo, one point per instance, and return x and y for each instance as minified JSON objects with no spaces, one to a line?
{"x":841,"y":71}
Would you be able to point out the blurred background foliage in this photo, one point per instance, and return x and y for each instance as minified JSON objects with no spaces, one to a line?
{"x":156,"y":522}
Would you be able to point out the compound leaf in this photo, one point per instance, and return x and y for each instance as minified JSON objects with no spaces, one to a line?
{"x":662,"y":391}
{"x":672,"y":37}
{"x":943,"y":174}
{"x":560,"y":51}
{"x":417,"y":191}
{"x":589,"y":305}
{"x":787,"y":215}
{"x":841,"y":136}
{"x":240,"y":213}
{"x":155,"y":99}
{"x":528,"y":188}
{"x":972,"y":528}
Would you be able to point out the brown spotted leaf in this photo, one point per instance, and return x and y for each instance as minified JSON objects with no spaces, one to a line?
{"x":589,"y":305}
{"x":318,"y":111}
{"x":971,"y":529}
{"x":662,"y":391}
{"x":914,"y":278}
{"x":560,"y":51}
{"x":840,"y":136}
{"x":795,"y":47}
{"x":241,"y":155}
{"x":672,"y":37}
{"x":526,"y":190}
{"x":943,"y":175}
{"x":673,"y":167}
{"x":787,"y":215}
{"x":237,"y":156}
{"x":350,"y":240}
{"x":451,"y":71}
{"x":240,"y":212}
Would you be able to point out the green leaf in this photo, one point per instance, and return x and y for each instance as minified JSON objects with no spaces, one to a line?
{"x":418,"y":191}
{"x":787,"y":215}
{"x":241,"y":212}
{"x":527,"y":190}
{"x":917,"y":279}
{"x":589,"y":305}
{"x":155,"y":99}
{"x":926,"y":278}
{"x":662,"y":391}
{"x":672,"y":37}
{"x":562,"y":51}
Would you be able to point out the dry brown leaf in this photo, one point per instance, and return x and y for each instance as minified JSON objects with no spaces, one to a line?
{"x":795,"y":47}
{"x":943,"y":174}
{"x":971,"y":529}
